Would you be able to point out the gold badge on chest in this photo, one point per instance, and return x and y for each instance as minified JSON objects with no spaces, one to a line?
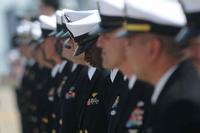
{"x":93,"y":100}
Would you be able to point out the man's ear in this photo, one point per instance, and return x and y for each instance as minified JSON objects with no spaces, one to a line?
{"x":127,"y":42}
{"x":153,"y":48}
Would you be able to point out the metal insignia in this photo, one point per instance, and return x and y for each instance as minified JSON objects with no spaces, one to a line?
{"x":70,"y":94}
{"x":94,"y":100}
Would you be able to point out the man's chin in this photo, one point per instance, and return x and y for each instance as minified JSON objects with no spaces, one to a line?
{"x":107,"y":65}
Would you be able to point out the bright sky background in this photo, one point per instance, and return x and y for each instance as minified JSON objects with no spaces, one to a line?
{"x":4,"y":40}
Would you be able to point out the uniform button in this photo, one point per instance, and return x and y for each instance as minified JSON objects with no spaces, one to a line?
{"x":51,"y":98}
{"x":45,"y":120}
{"x":133,"y":131}
{"x":113,"y":112}
{"x":140,"y":104}
{"x":86,"y":131}
{"x":61,"y":122}
{"x":53,"y":130}
{"x":53,"y":116}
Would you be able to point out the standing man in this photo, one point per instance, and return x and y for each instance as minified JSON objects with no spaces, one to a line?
{"x":189,"y":36}
{"x":124,"y":96}
{"x":89,"y":92}
{"x":156,"y":58}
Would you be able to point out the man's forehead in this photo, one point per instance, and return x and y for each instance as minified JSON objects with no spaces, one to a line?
{"x":141,"y":35}
{"x":52,"y":38}
{"x":112,"y":31}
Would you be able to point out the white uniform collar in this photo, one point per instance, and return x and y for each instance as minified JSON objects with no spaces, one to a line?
{"x":30,"y":62}
{"x":74,"y":67}
{"x":125,"y":78}
{"x":113,"y":74}
{"x":54,"y":71}
{"x":62,"y":66}
{"x":91,"y":72}
{"x":132,"y":81}
{"x":161,"y":83}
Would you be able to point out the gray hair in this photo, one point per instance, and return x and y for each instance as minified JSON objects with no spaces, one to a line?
{"x":168,"y":45}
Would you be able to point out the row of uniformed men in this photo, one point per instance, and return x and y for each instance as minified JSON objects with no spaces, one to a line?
{"x":118,"y":69}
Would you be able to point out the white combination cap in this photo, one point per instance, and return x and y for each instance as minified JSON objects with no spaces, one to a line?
{"x":47,"y":22}
{"x":157,"y":16}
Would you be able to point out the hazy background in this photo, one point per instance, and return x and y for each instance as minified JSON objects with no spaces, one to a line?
{"x":9,"y":10}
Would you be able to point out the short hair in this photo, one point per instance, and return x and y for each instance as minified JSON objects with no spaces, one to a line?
{"x":94,"y":53}
{"x":168,"y":44}
{"x":53,"y":3}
